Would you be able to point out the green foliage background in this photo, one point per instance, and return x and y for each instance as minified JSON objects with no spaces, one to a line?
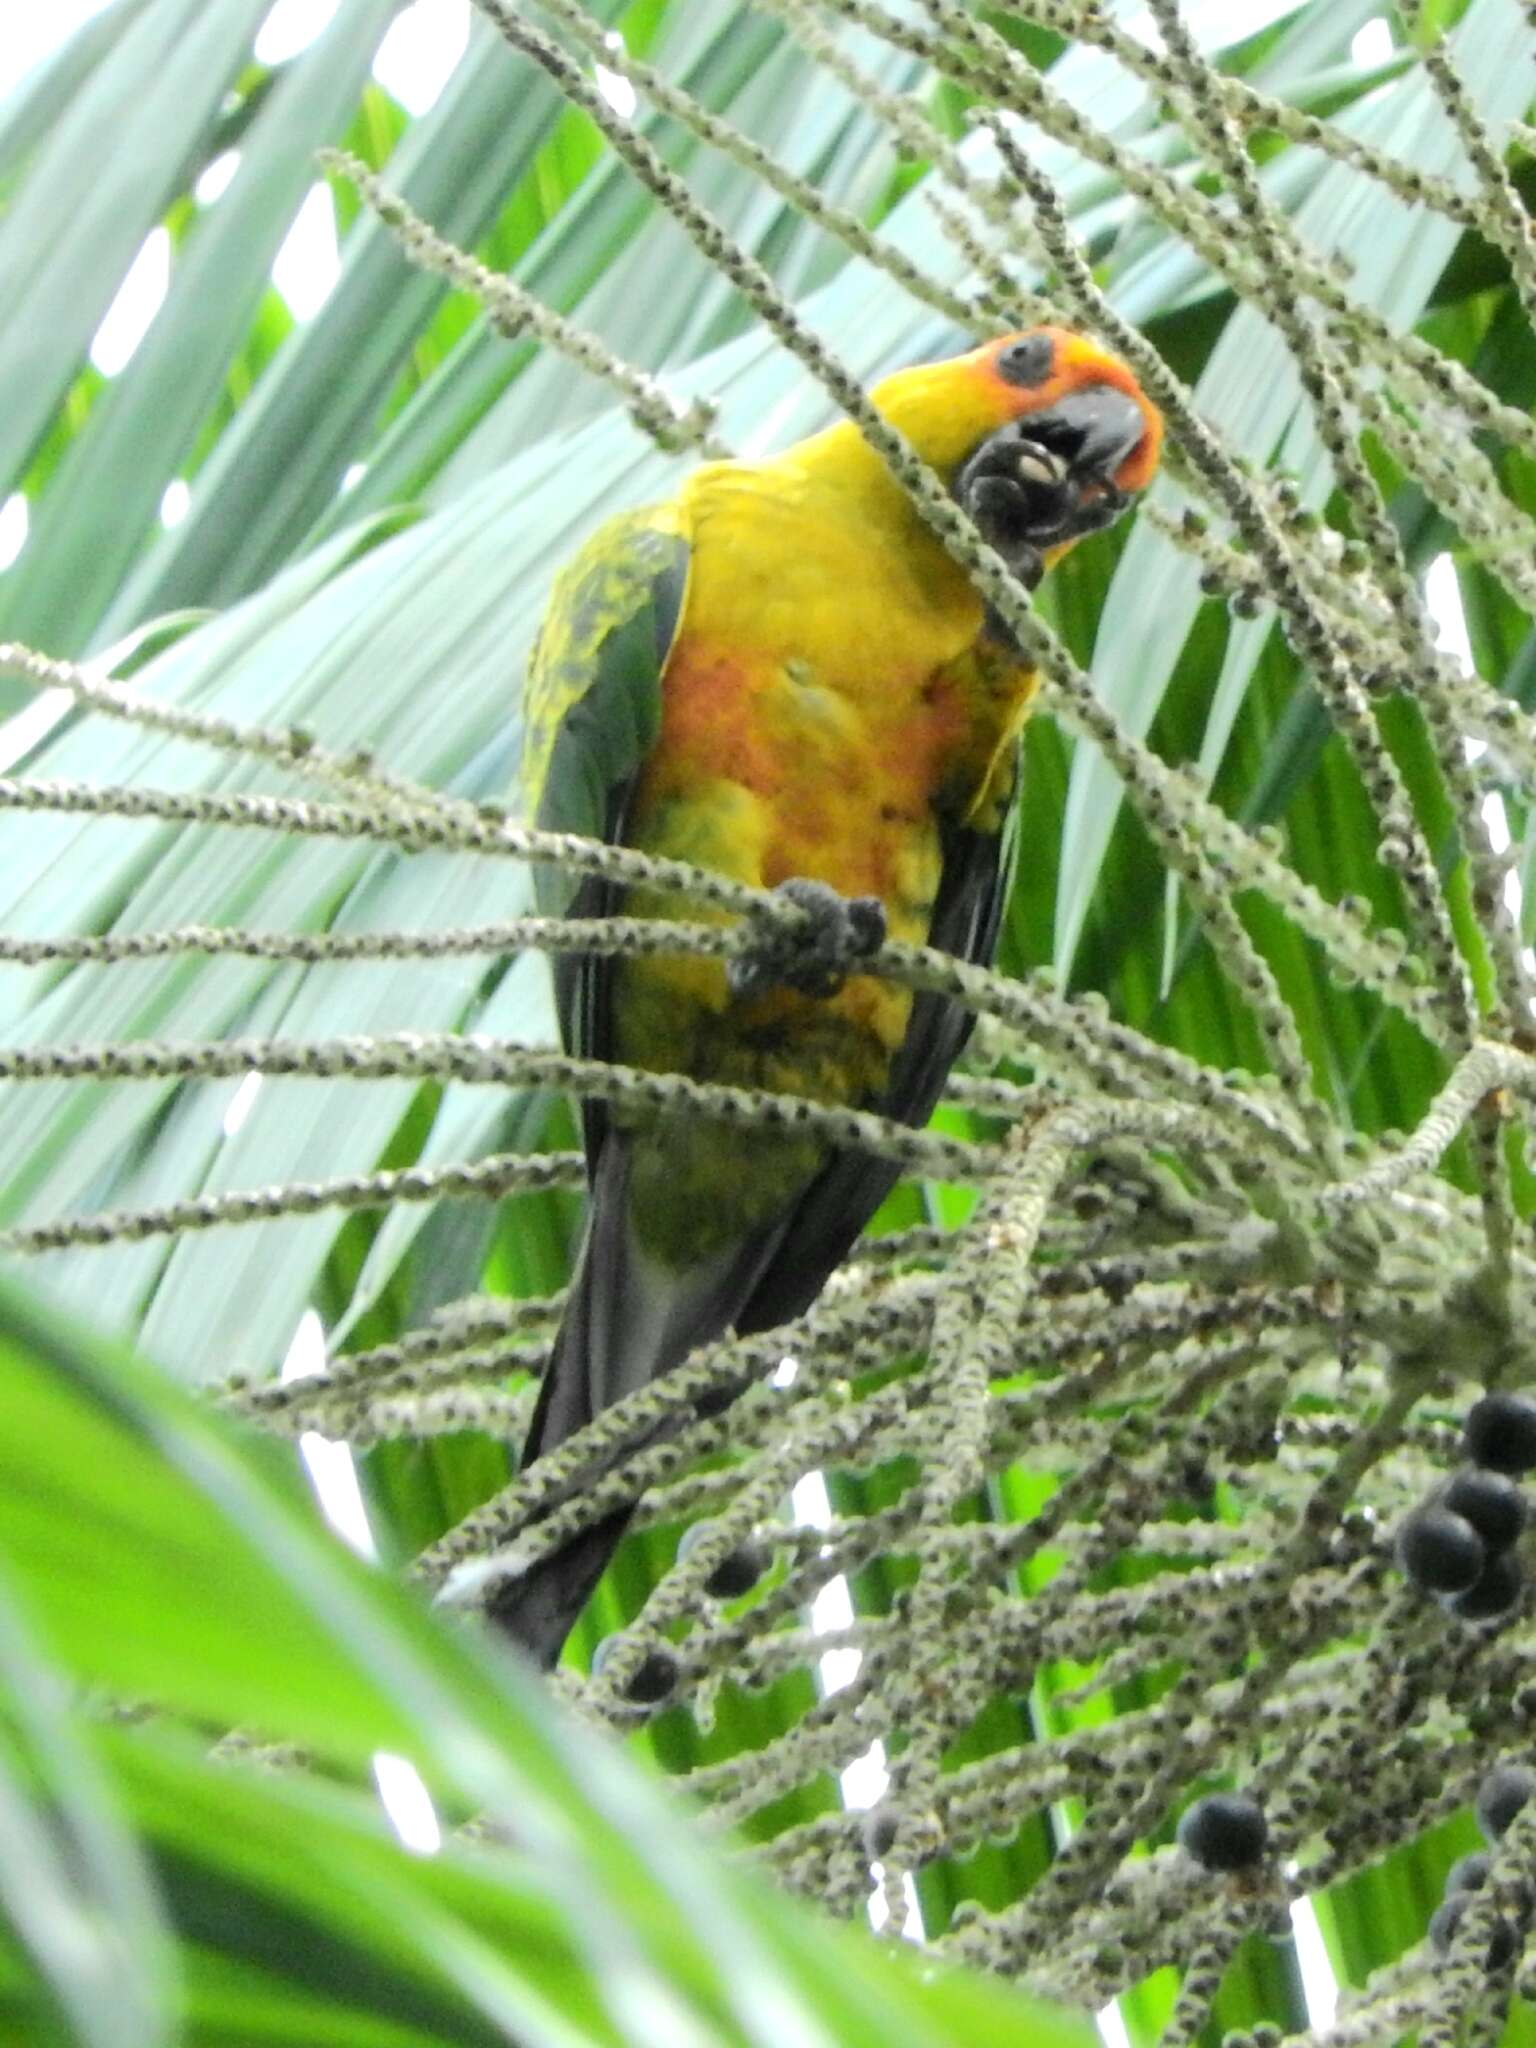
{"x":379,"y":496}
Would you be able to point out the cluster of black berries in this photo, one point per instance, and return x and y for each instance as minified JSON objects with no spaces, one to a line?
{"x":656,"y":1677}
{"x":737,"y":1572}
{"x":1499,"y":1798}
{"x":1460,"y":1543}
{"x":1224,"y":1831}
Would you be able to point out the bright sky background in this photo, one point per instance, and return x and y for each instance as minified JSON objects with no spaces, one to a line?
{"x":30,"y":33}
{"x":414,"y":63}
{"x":420,"y":50}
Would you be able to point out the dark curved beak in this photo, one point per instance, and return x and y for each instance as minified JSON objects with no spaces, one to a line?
{"x":1093,"y":431}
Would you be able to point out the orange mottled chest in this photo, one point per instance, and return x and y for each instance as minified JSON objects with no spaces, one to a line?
{"x":826,"y":708}
{"x":844,"y":785}
{"x":827,"y":701}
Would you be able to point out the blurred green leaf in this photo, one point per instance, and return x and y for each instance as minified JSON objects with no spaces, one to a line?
{"x":157,"y":1552}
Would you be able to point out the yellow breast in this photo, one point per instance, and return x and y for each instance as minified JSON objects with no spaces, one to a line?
{"x":826,"y":706}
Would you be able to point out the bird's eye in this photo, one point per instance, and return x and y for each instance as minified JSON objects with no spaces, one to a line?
{"x":1027,"y":362}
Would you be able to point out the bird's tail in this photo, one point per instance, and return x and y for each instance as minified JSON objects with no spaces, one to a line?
{"x":538,"y":1609}
{"x":628,"y":1320}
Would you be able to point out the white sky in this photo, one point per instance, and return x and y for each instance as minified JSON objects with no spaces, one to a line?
{"x":414,"y":63}
{"x":421,"y":48}
{"x":30,"y":33}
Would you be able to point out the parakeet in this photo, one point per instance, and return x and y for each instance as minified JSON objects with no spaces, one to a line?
{"x":780,"y":674}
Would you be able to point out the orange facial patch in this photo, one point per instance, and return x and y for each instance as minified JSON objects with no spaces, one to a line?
{"x":1077,"y":363}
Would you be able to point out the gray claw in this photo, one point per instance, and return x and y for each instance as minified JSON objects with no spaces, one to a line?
{"x":1038,"y":466}
{"x":843,"y":932}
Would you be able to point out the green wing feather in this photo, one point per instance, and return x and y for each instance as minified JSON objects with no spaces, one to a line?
{"x":592,"y":712}
{"x":592,"y":705}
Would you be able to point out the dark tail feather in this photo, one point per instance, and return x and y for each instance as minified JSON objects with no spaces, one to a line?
{"x":538,"y":1609}
{"x":626,"y":1323}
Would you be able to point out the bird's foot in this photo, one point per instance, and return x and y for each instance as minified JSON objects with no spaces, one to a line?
{"x":1017,"y":494}
{"x":1021,"y":495}
{"x":840,"y":934}
{"x":1027,"y":496}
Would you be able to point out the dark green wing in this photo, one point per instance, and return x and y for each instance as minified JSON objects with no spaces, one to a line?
{"x":592,"y":704}
{"x":974,"y":885}
{"x":592,"y":711}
